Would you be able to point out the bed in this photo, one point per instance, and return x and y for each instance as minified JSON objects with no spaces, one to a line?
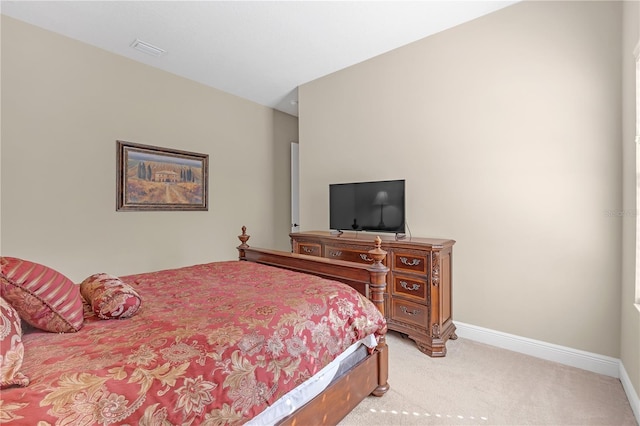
{"x":272,"y":338}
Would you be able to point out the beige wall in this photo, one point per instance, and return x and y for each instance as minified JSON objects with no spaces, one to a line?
{"x":630,"y":344}
{"x":0,"y":137}
{"x":64,"y":104}
{"x":507,"y":131}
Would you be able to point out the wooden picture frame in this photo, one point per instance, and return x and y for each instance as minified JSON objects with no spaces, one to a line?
{"x":154,"y":178}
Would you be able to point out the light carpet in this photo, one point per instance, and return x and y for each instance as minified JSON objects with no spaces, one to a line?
{"x":478,"y":384}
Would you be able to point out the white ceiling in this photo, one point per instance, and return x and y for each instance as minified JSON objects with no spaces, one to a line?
{"x":258,"y":50}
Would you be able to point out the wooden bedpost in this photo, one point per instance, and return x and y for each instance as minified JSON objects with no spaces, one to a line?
{"x":378,"y":275}
{"x":377,"y":287}
{"x":243,"y":240}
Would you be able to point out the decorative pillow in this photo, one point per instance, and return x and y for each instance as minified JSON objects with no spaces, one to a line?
{"x":109,"y":297}
{"x":43,"y":297}
{"x":11,"y":347}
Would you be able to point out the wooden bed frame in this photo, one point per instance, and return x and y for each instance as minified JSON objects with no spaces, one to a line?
{"x":368,"y":377}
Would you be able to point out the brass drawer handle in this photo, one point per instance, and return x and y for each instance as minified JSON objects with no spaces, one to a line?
{"x":365,"y":257}
{"x":307,"y":250}
{"x":336,"y":253}
{"x":413,"y":262}
{"x":414,"y":286}
{"x":408,"y":312}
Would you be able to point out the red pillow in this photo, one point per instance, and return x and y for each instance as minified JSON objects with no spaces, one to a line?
{"x":109,"y":297}
{"x":43,"y":297}
{"x":11,"y":347}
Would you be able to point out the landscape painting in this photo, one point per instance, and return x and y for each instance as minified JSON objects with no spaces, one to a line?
{"x":154,"y":178}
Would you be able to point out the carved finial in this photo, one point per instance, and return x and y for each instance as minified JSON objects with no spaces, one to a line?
{"x":378,"y":254}
{"x":243,"y":238}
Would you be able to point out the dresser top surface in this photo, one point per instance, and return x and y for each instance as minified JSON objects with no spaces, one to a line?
{"x":369,"y":237}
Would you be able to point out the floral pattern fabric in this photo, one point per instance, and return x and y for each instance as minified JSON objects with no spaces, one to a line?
{"x":11,"y":347}
{"x":109,"y":297}
{"x":213,"y":344}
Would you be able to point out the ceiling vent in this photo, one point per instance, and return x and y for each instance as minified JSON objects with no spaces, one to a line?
{"x":147,"y":48}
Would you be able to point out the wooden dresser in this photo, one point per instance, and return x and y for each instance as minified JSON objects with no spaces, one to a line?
{"x":418,"y":298}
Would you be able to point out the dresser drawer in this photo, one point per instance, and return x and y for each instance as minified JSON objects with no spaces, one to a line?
{"x":414,"y":288}
{"x":348,"y":254}
{"x":310,"y":249}
{"x":410,"y":262}
{"x":405,"y":311}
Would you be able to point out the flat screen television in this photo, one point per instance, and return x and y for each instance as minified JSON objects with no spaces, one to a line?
{"x":367,"y":206}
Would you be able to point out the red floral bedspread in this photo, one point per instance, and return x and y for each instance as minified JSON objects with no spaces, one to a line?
{"x":212,"y":344}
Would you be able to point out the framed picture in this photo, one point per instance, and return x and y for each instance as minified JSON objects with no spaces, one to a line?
{"x":154,"y":178}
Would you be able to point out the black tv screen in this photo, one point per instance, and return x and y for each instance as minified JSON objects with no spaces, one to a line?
{"x":367,"y":206}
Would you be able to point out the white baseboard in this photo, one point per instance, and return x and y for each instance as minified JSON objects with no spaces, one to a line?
{"x":631,"y":393}
{"x":596,"y":363}
{"x":574,"y":357}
